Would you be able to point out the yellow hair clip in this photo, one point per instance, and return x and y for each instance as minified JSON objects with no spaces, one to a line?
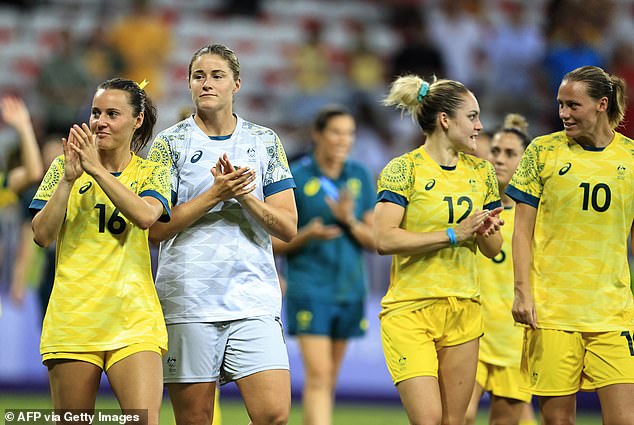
{"x":143,"y":83}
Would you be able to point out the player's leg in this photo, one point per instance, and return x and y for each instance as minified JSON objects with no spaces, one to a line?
{"x":476,"y":395}
{"x":257,"y":360}
{"x":412,"y":360}
{"x":319,"y":378}
{"x":74,"y":383}
{"x":508,"y":395}
{"x":527,"y":416}
{"x":617,"y":404}
{"x":267,"y":396}
{"x":505,"y":411}
{"x":421,"y":399}
{"x":558,"y":410}
{"x":553,"y":361}
{"x":458,"y":357}
{"x":136,"y":376}
{"x":193,"y":403}
{"x":609,"y":367}
{"x":456,"y":378}
{"x":337,"y":354}
{"x":191,"y":368}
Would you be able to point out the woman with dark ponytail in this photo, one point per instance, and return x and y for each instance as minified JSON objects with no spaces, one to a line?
{"x":98,"y":201}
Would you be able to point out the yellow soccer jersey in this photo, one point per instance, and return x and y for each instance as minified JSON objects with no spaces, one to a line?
{"x":579,"y":272}
{"x":435,"y":198}
{"x":501,"y":344}
{"x":103,"y":297}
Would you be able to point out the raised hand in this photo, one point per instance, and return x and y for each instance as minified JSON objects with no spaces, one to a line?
{"x":85,"y":145}
{"x":15,"y":113}
{"x":230,"y":182}
{"x":492,"y":223}
{"x":468,"y":228}
{"x":343,"y":209}
{"x":72,"y":166}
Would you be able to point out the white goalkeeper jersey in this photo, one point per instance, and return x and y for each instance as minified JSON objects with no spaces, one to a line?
{"x":221,"y":267}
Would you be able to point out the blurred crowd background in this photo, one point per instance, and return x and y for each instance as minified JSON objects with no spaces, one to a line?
{"x":297,"y":56}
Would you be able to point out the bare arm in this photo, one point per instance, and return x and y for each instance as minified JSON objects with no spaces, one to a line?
{"x":390,"y":238}
{"x":225,"y":186}
{"x":15,"y":113}
{"x":489,"y":238}
{"x":523,"y":304}
{"x":48,"y":221}
{"x":277,"y":213}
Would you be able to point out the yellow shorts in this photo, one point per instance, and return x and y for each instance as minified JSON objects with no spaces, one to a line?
{"x":502,"y":381}
{"x":563,"y":362}
{"x":103,"y":359}
{"x":411,"y":340}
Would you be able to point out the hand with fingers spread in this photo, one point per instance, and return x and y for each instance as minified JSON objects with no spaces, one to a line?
{"x":468,"y":228}
{"x":230,"y":182}
{"x":72,"y":166}
{"x":15,"y":113}
{"x":492,"y":223}
{"x":84,"y":143}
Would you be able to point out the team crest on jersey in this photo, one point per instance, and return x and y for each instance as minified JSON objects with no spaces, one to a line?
{"x":563,"y":170}
{"x":85,"y":188}
{"x":474,"y":184}
{"x":251,"y":152}
{"x":620,"y":172}
{"x":354,"y":187}
{"x":312,"y":186}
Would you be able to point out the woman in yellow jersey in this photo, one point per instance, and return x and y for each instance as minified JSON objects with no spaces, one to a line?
{"x":501,"y":346}
{"x":97,"y":201}
{"x":436,"y":206}
{"x":575,"y":209}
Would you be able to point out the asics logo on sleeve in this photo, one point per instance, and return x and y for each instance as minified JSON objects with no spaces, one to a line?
{"x":563,"y":170}
{"x":85,"y":188}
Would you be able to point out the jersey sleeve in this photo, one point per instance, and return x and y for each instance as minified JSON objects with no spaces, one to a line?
{"x":492,"y":198}
{"x":396,"y":181}
{"x":526,"y":186}
{"x":157,"y":185}
{"x":161,"y":152}
{"x":277,"y":176}
{"x":49,"y":184}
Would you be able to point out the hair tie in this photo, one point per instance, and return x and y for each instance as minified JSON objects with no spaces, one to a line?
{"x":143,"y":83}
{"x":422,"y":92}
